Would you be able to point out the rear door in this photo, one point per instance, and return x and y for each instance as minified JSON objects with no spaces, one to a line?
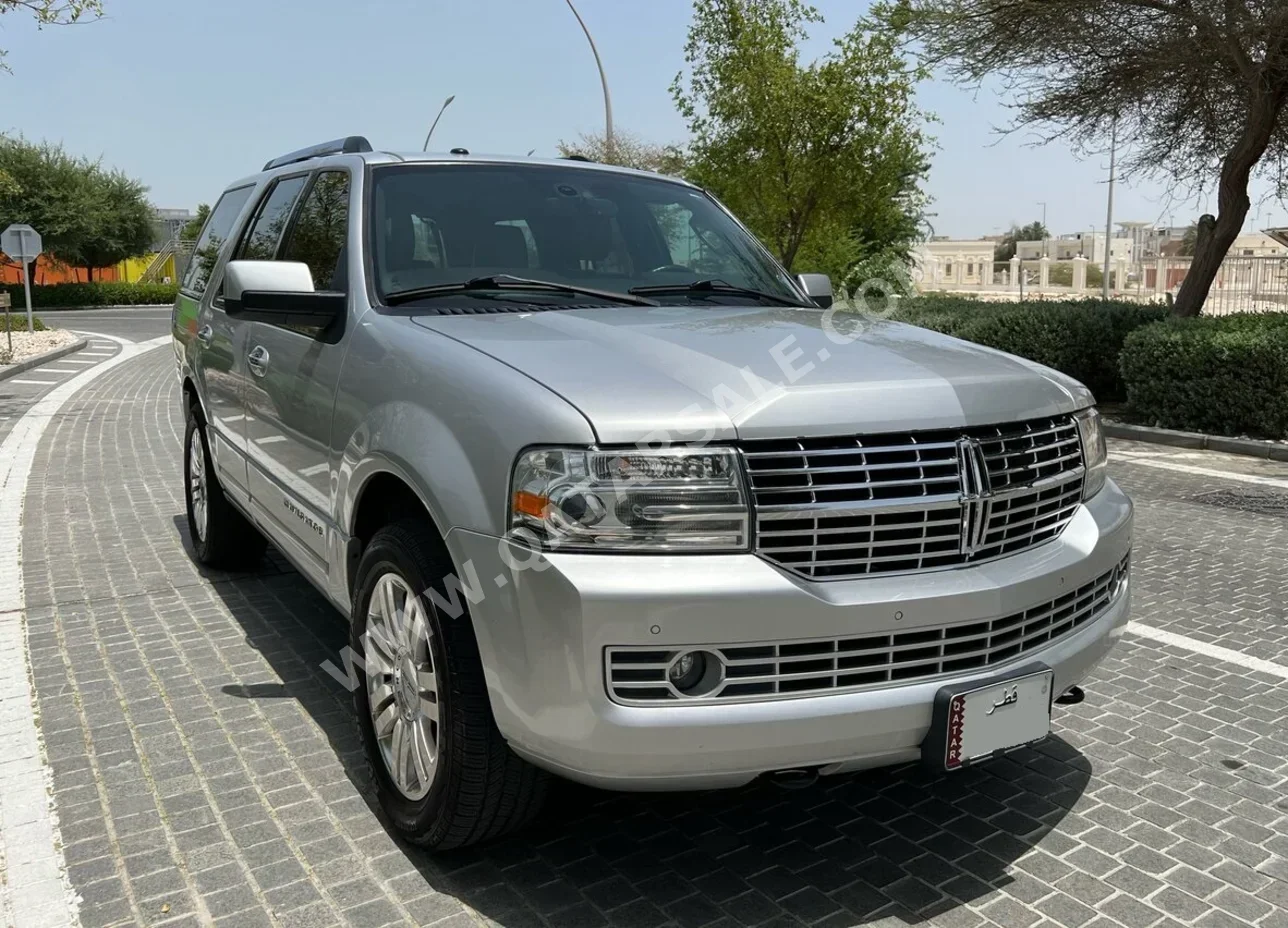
{"x":217,"y":343}
{"x":295,"y":374}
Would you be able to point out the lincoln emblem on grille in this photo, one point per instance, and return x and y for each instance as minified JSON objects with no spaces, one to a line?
{"x":977,"y":494}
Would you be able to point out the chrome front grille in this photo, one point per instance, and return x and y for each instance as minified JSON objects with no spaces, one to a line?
{"x":775,"y":670}
{"x":835,"y":508}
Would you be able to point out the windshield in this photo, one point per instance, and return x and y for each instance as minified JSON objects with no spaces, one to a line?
{"x":437,"y":224}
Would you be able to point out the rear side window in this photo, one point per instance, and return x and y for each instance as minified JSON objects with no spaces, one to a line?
{"x":219,"y":226}
{"x":260,"y":243}
{"x":321,"y":230}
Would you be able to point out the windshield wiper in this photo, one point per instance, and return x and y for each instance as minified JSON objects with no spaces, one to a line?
{"x":509,"y":282}
{"x":714,"y":286}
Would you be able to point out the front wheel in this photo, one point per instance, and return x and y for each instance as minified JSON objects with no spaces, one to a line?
{"x":444,"y":775}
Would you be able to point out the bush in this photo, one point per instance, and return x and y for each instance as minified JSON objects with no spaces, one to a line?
{"x":106,"y":293}
{"x":1081,"y":338}
{"x":18,"y":321}
{"x":1226,"y":375}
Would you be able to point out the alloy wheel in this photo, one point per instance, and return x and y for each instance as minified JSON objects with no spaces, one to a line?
{"x":197,"y":484}
{"x":402,"y":687}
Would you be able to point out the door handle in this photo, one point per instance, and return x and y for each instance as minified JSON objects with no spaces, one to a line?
{"x":258,"y":360}
{"x":205,"y":335}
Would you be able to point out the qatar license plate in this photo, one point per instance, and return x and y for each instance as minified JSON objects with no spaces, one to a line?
{"x":1001,"y":715}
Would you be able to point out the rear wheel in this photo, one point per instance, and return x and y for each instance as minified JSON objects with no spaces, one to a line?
{"x":221,"y":536}
{"x":444,"y":775}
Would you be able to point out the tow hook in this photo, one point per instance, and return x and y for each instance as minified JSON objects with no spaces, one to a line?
{"x":1071,"y":697}
{"x":794,"y":777}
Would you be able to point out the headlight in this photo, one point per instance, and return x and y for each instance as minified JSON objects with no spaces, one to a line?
{"x":1095,"y":455}
{"x":669,"y":500}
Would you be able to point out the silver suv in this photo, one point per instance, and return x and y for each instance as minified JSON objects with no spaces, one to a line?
{"x":607,"y":493}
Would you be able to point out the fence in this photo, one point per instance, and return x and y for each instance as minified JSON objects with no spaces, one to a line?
{"x":1243,"y":284}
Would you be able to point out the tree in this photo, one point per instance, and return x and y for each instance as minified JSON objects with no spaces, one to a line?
{"x":628,"y":151}
{"x":1195,"y":88}
{"x":822,"y":160}
{"x":87,"y":216}
{"x":192,"y":228}
{"x":117,"y":224}
{"x":1033,"y":232}
{"x":1189,"y":241}
{"x":53,"y":13}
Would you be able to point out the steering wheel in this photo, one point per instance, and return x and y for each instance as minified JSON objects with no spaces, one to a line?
{"x":673,"y":268}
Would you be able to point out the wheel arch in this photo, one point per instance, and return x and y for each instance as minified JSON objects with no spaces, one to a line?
{"x":383,"y":495}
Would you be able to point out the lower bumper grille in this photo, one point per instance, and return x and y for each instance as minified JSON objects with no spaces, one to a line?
{"x":752,"y":672}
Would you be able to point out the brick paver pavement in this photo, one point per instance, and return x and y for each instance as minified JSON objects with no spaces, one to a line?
{"x":207,"y":770}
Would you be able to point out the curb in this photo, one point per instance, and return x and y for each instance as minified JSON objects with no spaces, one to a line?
{"x":1250,"y":447}
{"x":80,"y":309}
{"x":15,"y":369}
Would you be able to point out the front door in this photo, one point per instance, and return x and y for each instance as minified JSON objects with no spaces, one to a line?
{"x":294,"y":373}
{"x":219,"y":357}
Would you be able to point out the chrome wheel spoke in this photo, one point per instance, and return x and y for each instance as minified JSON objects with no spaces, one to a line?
{"x":421,"y":756}
{"x":385,"y":721}
{"x":400,"y":748}
{"x":378,"y":654}
{"x":389,"y":607}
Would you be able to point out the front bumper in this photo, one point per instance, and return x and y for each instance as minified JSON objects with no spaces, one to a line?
{"x":543,"y":632}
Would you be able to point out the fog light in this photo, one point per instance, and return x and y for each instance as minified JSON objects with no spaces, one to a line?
{"x":688,"y":670}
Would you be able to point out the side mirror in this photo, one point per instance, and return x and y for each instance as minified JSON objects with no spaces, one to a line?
{"x":818,"y":287}
{"x":278,"y":292}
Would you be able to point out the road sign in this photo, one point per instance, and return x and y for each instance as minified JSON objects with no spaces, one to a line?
{"x":22,"y":244}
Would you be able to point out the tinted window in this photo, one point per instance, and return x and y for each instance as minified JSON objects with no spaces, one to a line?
{"x":321,"y":229}
{"x":219,"y":226}
{"x":448,"y":223}
{"x":260,"y":243}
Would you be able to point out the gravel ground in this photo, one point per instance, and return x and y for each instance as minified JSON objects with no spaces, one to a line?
{"x":29,"y":344}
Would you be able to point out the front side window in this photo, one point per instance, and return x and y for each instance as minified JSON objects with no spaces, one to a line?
{"x":260,"y":243}
{"x":443,"y":224}
{"x":219,"y":226}
{"x":321,"y":230}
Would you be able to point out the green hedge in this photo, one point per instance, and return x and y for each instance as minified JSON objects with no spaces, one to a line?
{"x":108,"y":293}
{"x":1226,"y":375}
{"x":1081,"y":338}
{"x":18,"y":321}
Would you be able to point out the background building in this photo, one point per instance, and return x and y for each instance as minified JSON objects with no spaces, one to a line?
{"x":1089,"y":245}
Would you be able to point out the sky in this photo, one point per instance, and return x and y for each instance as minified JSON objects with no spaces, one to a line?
{"x":188,"y":96}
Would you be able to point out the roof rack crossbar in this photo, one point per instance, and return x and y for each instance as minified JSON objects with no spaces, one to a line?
{"x":350,"y":145}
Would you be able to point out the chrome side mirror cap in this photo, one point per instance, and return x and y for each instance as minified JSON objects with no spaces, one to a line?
{"x":818,"y":287}
{"x":266,"y":277}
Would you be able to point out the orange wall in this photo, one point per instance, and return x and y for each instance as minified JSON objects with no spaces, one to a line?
{"x":50,"y":272}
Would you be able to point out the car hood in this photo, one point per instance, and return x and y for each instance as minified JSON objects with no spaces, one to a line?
{"x":719,"y":373}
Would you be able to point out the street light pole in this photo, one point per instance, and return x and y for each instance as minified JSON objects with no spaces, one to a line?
{"x":609,"y":142}
{"x":434,"y":124}
{"x":1045,"y":233}
{"x":1109,"y":219}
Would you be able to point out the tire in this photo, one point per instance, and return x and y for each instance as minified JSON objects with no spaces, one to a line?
{"x":221,"y":536}
{"x":474,"y":788}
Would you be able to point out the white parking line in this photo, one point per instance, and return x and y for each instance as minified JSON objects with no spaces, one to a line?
{"x":269,"y":440}
{"x":1147,"y":460}
{"x":59,"y":370}
{"x":35,"y":890}
{"x":95,"y":354}
{"x":74,"y":361}
{"x":41,"y":382}
{"x":314,"y":470}
{"x":1238,"y":658}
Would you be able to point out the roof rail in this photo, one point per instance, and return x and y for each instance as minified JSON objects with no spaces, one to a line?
{"x":354,"y":143}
